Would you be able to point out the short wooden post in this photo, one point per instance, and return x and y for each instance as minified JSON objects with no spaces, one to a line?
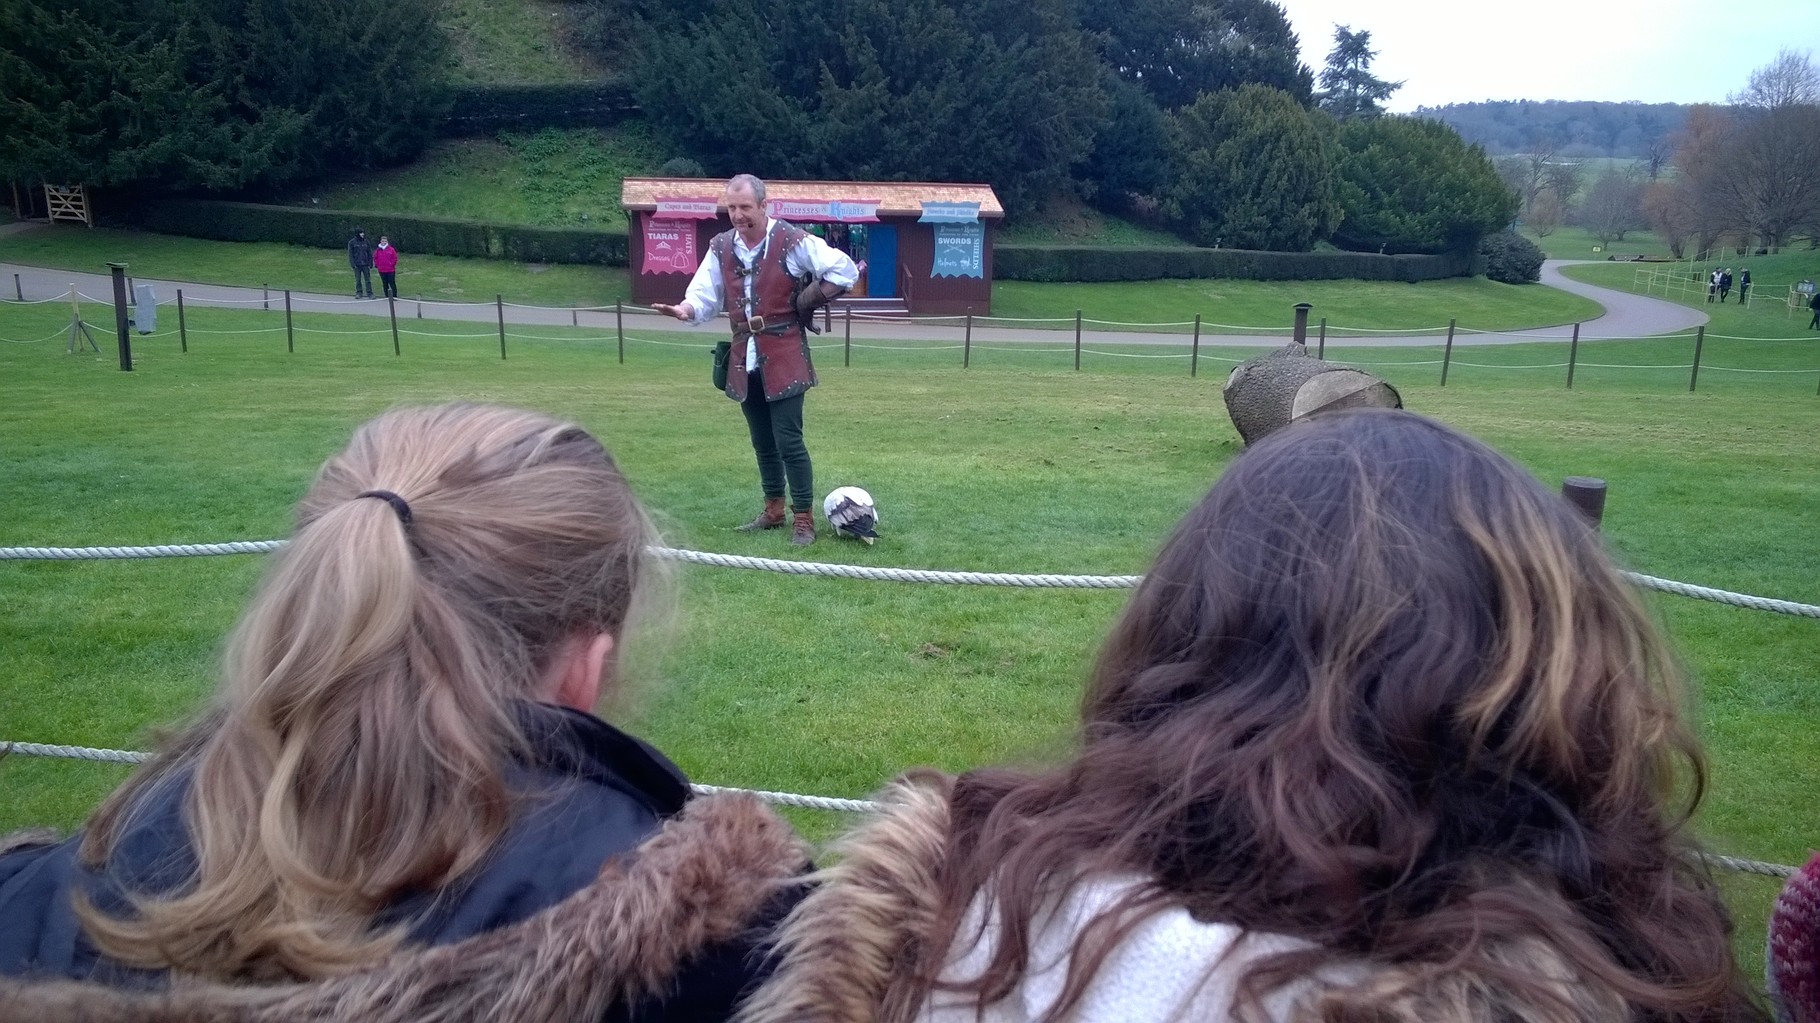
{"x":1587,"y":495}
{"x":1320,"y":351}
{"x":183,"y":329}
{"x":827,"y":318}
{"x":619,"y":319}
{"x":265,"y":297}
{"x":290,"y":334}
{"x":499,"y":307}
{"x":1194,"y":352}
{"x":1077,"y":340}
{"x":1301,"y":323}
{"x":574,"y":317}
{"x":1699,"y":343}
{"x":847,"y":345}
{"x":1447,"y":353}
{"x":18,"y":292}
{"x":392,"y":311}
{"x":1573,"y":356}
{"x":126,"y":341}
{"x":967,"y":342}
{"x":420,"y":307}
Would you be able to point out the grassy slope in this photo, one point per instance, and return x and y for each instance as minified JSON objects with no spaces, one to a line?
{"x":517,"y":41}
{"x":552,"y":177}
{"x":862,"y":678}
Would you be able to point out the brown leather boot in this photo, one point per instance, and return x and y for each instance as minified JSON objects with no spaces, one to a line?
{"x":802,"y":531}
{"x":771,"y":518}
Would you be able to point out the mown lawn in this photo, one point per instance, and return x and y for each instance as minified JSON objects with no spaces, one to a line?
{"x":1016,"y":464}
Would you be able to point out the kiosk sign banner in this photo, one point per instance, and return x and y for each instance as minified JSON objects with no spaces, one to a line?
{"x":687,"y":209}
{"x":843,"y":211}
{"x":949,"y":213}
{"x":669,"y":246}
{"x":960,"y":250}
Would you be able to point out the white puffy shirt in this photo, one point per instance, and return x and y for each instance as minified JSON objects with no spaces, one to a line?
{"x":707,"y":293}
{"x":1171,"y":967}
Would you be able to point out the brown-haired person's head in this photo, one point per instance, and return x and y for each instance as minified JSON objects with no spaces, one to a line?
{"x":450,"y":563}
{"x":1384,"y":692}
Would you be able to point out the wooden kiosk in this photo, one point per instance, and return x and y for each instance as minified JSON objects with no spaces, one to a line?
{"x":924,"y":249}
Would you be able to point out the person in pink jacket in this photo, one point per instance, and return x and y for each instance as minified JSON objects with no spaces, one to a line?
{"x":385,"y":260}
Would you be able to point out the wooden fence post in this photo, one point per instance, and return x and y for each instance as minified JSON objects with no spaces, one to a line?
{"x":290,"y":335}
{"x":1699,"y":343}
{"x":1321,"y":351}
{"x":619,"y":321}
{"x":1573,"y":356}
{"x":1587,"y":495}
{"x":183,"y":329}
{"x":967,"y":342}
{"x":1194,"y":353}
{"x":1077,"y":340}
{"x":499,"y":307}
{"x":391,"y":309}
{"x":1447,"y":353}
{"x":847,"y":346}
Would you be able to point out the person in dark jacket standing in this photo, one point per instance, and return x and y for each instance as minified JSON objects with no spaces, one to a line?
{"x":1744,"y":286}
{"x":360,"y":259}
{"x":402,"y":755}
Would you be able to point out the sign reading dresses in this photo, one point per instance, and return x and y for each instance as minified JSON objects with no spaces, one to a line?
{"x":842,"y":211}
{"x":960,"y":250}
{"x":669,"y":246}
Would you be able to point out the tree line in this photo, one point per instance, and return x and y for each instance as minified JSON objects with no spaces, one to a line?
{"x":1576,"y":129}
{"x":1746,"y":173}
{"x":1195,"y":115}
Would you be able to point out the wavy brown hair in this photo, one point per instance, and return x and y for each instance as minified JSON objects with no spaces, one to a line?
{"x":1385,"y":693}
{"x":358,"y":746}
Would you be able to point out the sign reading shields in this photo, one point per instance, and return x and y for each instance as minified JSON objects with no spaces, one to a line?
{"x":842,"y":211}
{"x":670,"y":234}
{"x":960,"y":250}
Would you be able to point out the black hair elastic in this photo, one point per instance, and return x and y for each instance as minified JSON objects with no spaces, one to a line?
{"x":398,"y":504}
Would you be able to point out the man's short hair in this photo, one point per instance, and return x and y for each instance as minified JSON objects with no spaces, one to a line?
{"x":747,"y":181}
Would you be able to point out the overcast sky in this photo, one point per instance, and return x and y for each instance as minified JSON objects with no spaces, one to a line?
{"x":1656,"y":51}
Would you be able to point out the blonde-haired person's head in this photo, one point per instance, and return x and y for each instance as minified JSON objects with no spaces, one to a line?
{"x":358,"y":747}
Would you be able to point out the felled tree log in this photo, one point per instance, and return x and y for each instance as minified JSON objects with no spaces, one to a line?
{"x":1277,"y":388}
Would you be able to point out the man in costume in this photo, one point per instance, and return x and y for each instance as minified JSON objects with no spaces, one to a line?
{"x":769,"y":277}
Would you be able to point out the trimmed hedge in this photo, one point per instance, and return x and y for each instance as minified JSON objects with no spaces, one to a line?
{"x":331,"y":229}
{"x":491,"y":109}
{"x":1081,"y":263}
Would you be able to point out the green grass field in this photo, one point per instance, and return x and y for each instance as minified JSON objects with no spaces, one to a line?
{"x":1577,"y":243}
{"x":1017,"y":464}
{"x":521,"y":41}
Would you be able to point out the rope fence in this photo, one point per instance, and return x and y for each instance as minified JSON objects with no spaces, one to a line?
{"x":938,"y":334}
{"x":829,"y":803}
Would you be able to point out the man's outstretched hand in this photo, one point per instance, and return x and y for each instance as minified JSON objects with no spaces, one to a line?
{"x":681,"y":312}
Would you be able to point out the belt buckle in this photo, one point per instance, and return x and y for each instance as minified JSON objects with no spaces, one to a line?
{"x":755,"y":324}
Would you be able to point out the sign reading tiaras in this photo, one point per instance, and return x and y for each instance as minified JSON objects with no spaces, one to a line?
{"x":669,"y":246}
{"x":687,"y":209}
{"x":845,"y":211}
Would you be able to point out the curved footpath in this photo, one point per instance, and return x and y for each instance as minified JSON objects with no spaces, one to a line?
{"x":1626,"y":315}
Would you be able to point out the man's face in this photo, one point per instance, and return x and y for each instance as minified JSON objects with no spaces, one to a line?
{"x":744,"y":210}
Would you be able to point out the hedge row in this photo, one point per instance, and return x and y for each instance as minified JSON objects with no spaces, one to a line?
{"x":1081,"y":263}
{"x":490,"y":109}
{"x":331,"y":229}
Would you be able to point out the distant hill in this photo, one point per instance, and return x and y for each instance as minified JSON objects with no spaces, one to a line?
{"x":1581,"y":128}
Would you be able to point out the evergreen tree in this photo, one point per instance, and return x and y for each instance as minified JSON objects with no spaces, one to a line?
{"x":1249,"y":169}
{"x":1131,"y":150}
{"x":1178,"y":49}
{"x":1349,"y":89}
{"x":1411,"y":185}
{"x":996,"y":91}
{"x":214,"y":95}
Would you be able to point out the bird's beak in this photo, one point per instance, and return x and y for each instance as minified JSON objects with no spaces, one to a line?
{"x":869,"y":540}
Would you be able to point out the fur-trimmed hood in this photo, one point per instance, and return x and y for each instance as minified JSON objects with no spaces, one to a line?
{"x":699,"y":882}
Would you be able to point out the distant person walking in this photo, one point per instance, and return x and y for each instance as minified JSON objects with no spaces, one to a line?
{"x":385,"y":260}
{"x":1744,"y":285}
{"x":1725,"y":284}
{"x":1712,"y":287}
{"x":360,"y":259}
{"x":1813,"y":302}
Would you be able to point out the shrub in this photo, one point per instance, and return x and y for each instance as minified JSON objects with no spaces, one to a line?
{"x":681,"y":167}
{"x":330,"y":229}
{"x":1084,"y":263}
{"x":1511,"y":258}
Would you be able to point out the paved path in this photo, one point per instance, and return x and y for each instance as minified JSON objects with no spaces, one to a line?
{"x":1626,"y":315}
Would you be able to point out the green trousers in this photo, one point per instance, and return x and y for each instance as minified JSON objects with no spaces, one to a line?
{"x":777,"y":440}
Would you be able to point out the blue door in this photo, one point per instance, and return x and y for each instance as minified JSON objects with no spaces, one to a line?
{"x":881,"y":260}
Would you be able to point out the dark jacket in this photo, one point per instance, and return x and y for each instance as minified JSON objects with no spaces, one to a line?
{"x":598,"y":793}
{"x":360,"y":253}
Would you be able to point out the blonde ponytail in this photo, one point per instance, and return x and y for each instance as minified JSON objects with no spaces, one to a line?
{"x":358,"y":746}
